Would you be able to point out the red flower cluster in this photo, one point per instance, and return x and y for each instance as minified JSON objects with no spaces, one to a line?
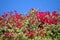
{"x":32,"y":22}
{"x":5,"y":15}
{"x":46,"y":17}
{"x":37,"y":24}
{"x":7,"y":34}
{"x":41,"y":33}
{"x":30,"y":34}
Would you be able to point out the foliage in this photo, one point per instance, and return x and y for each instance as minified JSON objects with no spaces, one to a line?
{"x":35,"y":26}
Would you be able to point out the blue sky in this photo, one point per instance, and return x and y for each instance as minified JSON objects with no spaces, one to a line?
{"x":23,"y":6}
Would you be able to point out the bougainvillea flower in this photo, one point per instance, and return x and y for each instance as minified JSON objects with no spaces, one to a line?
{"x":30,"y":34}
{"x":32,"y":22}
{"x":19,"y":25}
{"x":32,"y":10}
{"x":27,"y":16}
{"x":17,"y":16}
{"x":21,"y":17}
{"x":37,"y":15}
{"x":40,"y":25}
{"x":5,"y":14}
{"x":6,"y":21}
{"x":39,"y":29}
{"x":54,"y":14}
{"x":11,"y":14}
{"x":2,"y":25}
{"x":7,"y":34}
{"x":45,"y":20}
{"x":1,"y":18}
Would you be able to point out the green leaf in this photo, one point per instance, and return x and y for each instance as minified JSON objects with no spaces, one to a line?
{"x":59,"y":18}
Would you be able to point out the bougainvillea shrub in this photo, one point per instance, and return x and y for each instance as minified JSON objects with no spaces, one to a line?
{"x":35,"y":26}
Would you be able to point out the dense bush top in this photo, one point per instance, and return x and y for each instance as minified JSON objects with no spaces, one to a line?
{"x":35,"y":26}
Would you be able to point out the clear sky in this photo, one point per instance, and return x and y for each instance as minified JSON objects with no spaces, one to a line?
{"x":25,"y":5}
